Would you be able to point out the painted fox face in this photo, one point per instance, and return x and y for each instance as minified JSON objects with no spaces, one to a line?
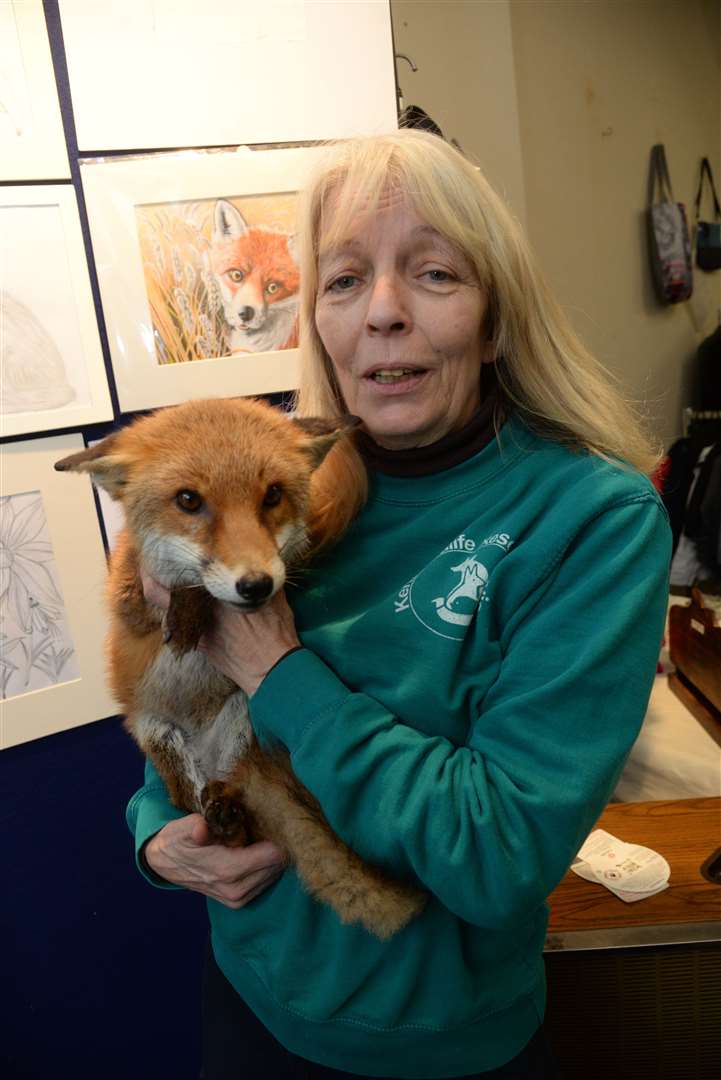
{"x":255,"y":269}
{"x":216,"y":493}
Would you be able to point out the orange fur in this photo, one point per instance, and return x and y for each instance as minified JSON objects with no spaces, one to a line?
{"x":255,"y":270}
{"x":231,"y":456}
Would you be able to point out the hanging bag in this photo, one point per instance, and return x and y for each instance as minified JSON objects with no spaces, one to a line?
{"x":708,"y":233}
{"x":670,"y":246}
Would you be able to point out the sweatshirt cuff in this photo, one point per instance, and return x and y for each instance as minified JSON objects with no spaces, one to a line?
{"x":297,"y":692}
{"x":148,"y":811}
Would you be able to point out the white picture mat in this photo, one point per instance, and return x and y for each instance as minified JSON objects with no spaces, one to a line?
{"x":112,"y":191}
{"x":77,"y":545}
{"x":55,"y":267}
{"x":175,"y":73}
{"x":32,"y":142}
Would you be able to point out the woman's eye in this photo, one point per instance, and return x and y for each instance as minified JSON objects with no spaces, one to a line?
{"x":189,"y":501}
{"x":273,"y":495}
{"x":343,"y":283}
{"x":440,"y":277}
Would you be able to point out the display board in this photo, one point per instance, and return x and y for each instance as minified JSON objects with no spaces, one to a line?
{"x":226,"y":72}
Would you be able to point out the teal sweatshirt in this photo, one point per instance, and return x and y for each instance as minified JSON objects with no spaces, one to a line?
{"x":478,"y":655}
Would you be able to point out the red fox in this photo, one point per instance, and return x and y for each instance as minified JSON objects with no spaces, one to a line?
{"x":221,"y":497}
{"x":258,"y":278}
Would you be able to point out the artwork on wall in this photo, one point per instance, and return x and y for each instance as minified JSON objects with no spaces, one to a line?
{"x":220,"y":276}
{"x":32,"y":143}
{"x":198,"y":272}
{"x":52,"y":373}
{"x":51,"y":595}
{"x":37,"y":649}
{"x":266,"y":66}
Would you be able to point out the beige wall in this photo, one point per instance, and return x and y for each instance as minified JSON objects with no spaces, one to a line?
{"x":594,"y":85}
{"x":465,"y":81}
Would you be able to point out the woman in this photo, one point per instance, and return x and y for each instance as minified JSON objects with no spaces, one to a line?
{"x":461,"y":678}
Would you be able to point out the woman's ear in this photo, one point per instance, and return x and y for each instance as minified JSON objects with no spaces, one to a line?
{"x":488,"y":352}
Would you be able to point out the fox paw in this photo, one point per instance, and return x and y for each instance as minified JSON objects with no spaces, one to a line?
{"x":225,"y":814}
{"x":189,"y":616}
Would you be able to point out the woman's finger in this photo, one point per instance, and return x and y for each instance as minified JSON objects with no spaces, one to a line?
{"x":242,"y":892}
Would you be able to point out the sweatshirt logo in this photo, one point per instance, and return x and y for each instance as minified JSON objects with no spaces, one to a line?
{"x":473,"y":581}
{"x":446,"y":594}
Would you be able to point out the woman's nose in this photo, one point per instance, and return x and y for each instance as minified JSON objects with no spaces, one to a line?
{"x":388,"y":311}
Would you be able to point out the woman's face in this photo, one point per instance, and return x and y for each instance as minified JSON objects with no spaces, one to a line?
{"x":399,"y":311}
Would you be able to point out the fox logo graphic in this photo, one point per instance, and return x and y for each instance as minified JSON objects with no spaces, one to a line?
{"x":258,"y":278}
{"x":461,"y":580}
{"x":473,"y":581}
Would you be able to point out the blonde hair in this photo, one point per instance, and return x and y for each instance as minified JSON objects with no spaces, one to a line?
{"x":544,"y":371}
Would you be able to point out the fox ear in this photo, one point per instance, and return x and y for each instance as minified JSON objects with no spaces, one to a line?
{"x":229,"y":222}
{"x":324,"y":433}
{"x":107,"y":468}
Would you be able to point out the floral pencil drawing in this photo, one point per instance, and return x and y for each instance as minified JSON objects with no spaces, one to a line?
{"x":36,"y":649}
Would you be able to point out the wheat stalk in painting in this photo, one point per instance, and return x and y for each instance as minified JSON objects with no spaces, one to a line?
{"x":185,"y":305}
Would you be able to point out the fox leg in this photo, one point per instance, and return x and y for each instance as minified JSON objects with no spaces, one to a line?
{"x":166,"y":747}
{"x":219,"y":746}
{"x":178,"y":759}
{"x":288,"y":814}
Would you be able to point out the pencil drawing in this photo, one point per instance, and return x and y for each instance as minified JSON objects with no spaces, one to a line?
{"x":33,"y":372}
{"x":36,"y":649}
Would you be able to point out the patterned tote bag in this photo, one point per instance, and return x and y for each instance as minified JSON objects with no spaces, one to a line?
{"x":670,"y":246}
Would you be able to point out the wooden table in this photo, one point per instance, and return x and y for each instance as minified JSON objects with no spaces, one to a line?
{"x":634,"y":990}
{"x":685,"y":832}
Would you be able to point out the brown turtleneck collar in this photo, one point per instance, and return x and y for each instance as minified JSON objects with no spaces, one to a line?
{"x":452,"y":449}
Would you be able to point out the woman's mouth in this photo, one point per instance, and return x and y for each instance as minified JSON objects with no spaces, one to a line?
{"x":398,"y":378}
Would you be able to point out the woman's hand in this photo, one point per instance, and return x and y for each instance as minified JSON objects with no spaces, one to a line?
{"x":183,"y":853}
{"x":243,"y":646}
{"x":246,"y":646}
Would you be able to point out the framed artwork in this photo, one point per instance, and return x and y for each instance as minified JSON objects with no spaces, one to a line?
{"x":52,"y":581}
{"x":272,"y":71}
{"x":32,"y":141}
{"x":52,"y":373}
{"x":198,"y":272}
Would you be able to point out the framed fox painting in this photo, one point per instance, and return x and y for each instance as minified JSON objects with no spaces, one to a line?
{"x":198,"y":271}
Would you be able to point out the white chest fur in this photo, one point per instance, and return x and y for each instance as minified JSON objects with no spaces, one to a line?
{"x":188,"y":705}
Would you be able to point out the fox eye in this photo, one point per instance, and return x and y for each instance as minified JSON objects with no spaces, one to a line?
{"x":272,"y":287}
{"x":273,"y":495}
{"x":236,"y":276}
{"x":189,"y":501}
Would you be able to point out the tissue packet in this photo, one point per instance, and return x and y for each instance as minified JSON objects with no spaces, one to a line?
{"x":630,"y":871}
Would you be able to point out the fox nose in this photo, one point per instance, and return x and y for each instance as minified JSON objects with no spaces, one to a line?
{"x":254,"y":588}
{"x":247,"y":313}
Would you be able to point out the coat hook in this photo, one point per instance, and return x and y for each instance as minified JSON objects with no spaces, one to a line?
{"x":402,"y":56}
